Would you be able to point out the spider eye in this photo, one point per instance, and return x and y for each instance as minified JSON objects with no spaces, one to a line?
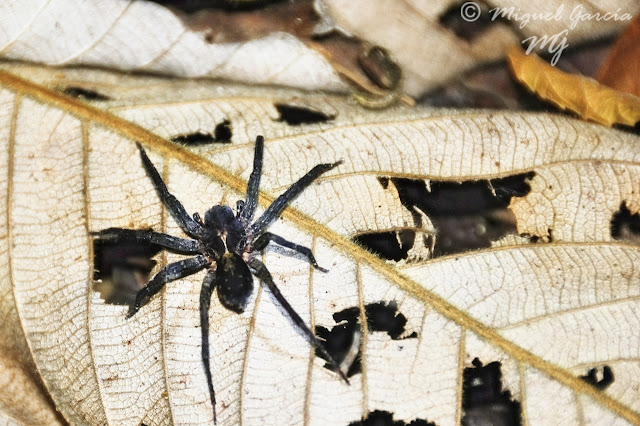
{"x":219,"y":217}
{"x":234,"y":282}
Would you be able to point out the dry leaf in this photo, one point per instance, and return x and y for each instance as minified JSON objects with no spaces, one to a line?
{"x":622,"y":67}
{"x":146,"y":37}
{"x":548,"y":312}
{"x":431,"y":54}
{"x":23,"y":399}
{"x":581,"y":95}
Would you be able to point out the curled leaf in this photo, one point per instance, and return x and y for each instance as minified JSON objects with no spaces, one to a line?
{"x":581,"y":95}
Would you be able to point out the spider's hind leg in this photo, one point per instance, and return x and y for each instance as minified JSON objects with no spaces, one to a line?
{"x":263,"y":274}
{"x":168,"y":242}
{"x":208,"y":285}
{"x":263,"y":240}
{"x":171,"y":272}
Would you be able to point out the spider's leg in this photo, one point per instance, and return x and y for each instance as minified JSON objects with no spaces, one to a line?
{"x":198,"y":219}
{"x":264,"y":239}
{"x":276,"y":208}
{"x":253,"y":186}
{"x":208,"y":285}
{"x":169,"y":242}
{"x":188,"y":225}
{"x":264,"y":275}
{"x":171,"y":272}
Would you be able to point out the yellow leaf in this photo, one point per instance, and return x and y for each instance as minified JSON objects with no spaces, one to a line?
{"x":581,"y":95}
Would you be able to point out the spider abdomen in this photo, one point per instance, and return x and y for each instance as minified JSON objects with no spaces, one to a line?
{"x":234,"y":282}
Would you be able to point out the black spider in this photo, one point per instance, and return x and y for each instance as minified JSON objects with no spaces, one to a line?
{"x":226,"y":245}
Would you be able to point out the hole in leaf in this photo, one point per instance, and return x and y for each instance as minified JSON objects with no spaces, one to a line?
{"x":512,"y":186}
{"x":592,"y":377}
{"x":387,"y":245}
{"x":383,"y":317}
{"x":384,"y":182}
{"x":121,"y":269}
{"x":467,"y":215}
{"x":385,"y":418}
{"x":343,"y":340}
{"x":624,"y":225}
{"x":86,"y":94}
{"x":296,"y":115}
{"x":197,"y":138}
{"x":478,"y":19}
{"x":221,"y":134}
{"x":447,"y":198}
{"x":343,"y":343}
{"x":537,"y":239}
{"x":484,"y":401}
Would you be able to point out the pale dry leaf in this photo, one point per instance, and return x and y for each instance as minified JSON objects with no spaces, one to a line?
{"x":75,"y":168}
{"x":258,"y":104}
{"x":147,"y":37}
{"x":594,"y":290}
{"x":22,"y":397}
{"x":431,"y":54}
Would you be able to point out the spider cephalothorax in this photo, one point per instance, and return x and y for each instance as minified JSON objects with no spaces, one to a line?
{"x":225,"y":244}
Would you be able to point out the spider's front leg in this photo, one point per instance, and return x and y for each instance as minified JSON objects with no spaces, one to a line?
{"x":263,"y":240}
{"x":263,"y":274}
{"x":171,"y":272}
{"x":190,"y":226}
{"x":276,"y":208}
{"x":246,"y":209}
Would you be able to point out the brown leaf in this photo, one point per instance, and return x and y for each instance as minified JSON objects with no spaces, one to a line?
{"x":226,"y":26}
{"x":581,"y":95}
{"x":622,"y":67}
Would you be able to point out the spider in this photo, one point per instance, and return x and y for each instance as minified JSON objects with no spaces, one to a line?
{"x":226,"y":245}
